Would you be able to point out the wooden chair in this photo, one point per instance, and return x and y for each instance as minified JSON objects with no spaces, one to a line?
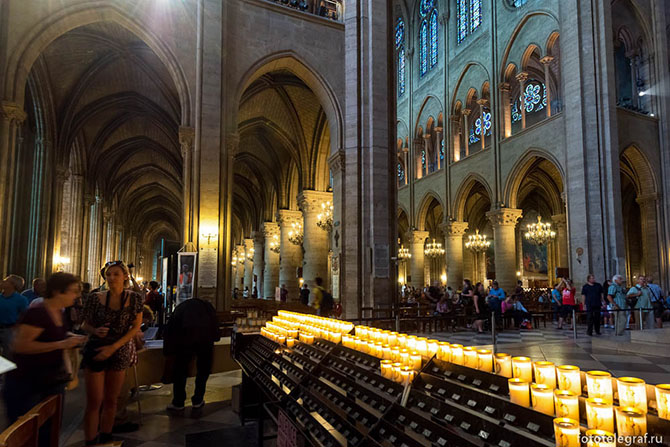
{"x":50,"y":409}
{"x":22,"y":433}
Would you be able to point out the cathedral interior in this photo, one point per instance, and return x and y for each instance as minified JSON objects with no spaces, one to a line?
{"x":383,"y":156}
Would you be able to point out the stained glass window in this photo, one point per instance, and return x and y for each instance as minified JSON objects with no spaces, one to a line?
{"x":475,"y":14}
{"x":481,"y":126}
{"x":534,"y":99}
{"x":517,"y":3}
{"x":399,"y":33}
{"x":423,"y":159}
{"x":462,"y":19}
{"x":442,"y":150}
{"x":433,"y":38}
{"x":400,"y":47}
{"x":401,"y":174}
{"x":423,"y":48}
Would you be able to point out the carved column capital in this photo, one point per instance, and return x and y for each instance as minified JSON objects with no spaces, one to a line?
{"x":12,"y":112}
{"x":547,"y":60}
{"x":417,"y":236}
{"x":522,"y":77}
{"x":466,"y":112}
{"x":337,"y":162}
{"x":482,"y":102}
{"x":504,"y":87}
{"x":287,"y":217}
{"x":504,"y":217}
{"x":89,"y":199}
{"x":61,"y":173}
{"x":270,"y":229}
{"x":647,"y":200}
{"x":558,"y":219}
{"x":258,"y":237}
{"x":454,"y":228}
{"x":310,"y":201}
{"x":186,"y":139}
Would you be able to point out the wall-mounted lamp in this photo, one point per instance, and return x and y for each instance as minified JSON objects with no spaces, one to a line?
{"x":209,"y":234}
{"x":60,"y":262}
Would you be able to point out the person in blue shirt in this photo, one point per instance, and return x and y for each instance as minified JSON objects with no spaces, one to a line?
{"x":12,"y":305}
{"x":496,"y":297}
{"x":38,"y":290}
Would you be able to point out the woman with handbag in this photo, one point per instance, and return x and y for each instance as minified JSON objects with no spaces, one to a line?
{"x":39,"y":345}
{"x":112,"y":318}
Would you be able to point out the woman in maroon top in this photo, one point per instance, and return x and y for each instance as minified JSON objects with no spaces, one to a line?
{"x":41,"y":337}
{"x":569,"y":304}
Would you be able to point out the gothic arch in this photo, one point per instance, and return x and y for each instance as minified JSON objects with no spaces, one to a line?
{"x":66,"y":19}
{"x":463,"y":192}
{"x":521,"y":169}
{"x":425,"y":205}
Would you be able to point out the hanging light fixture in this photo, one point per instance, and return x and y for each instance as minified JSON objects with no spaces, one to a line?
{"x":233,"y":260}
{"x":240,"y":257}
{"x":325,"y":218}
{"x":275,"y":246}
{"x":403,"y":253}
{"x":250,"y":254}
{"x":434,"y":249}
{"x":295,"y":236}
{"x":540,"y":233}
{"x":477,"y":242}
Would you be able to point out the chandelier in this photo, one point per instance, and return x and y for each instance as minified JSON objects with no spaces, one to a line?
{"x":325,"y":218}
{"x":275,"y":246}
{"x":539,"y":233}
{"x":250,"y":254}
{"x":233,"y":260}
{"x":240,"y":257}
{"x":295,"y":235}
{"x":434,"y":249}
{"x":403,"y":253}
{"x":477,"y":242}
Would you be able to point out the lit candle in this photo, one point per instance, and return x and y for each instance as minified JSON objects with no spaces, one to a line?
{"x":630,"y":421}
{"x":358,"y":343}
{"x":569,"y":378}
{"x":290,"y":342}
{"x":401,"y":340}
{"x":395,"y":354}
{"x":663,"y":400}
{"x":415,"y":361}
{"x":503,"y":364}
{"x":457,"y":354}
{"x":309,"y":339}
{"x":599,"y":414}
{"x":632,"y":393}
{"x":386,"y":352}
{"x":522,"y":368}
{"x":518,"y":392}
{"x":470,"y":357}
{"x":393,"y":338}
{"x":600,"y":438}
{"x":542,"y":398}
{"x":293,"y":333}
{"x":567,"y":404}
{"x":443,"y":351}
{"x":386,"y":368}
{"x":432,"y":347}
{"x":405,"y":375}
{"x":566,"y":431}
{"x":599,"y":384}
{"x":335,"y":337}
{"x":396,"y":371}
{"x":404,"y":357}
{"x":422,"y":346}
{"x":379,"y":350}
{"x":411,"y":342}
{"x":484,"y":360}
{"x":545,"y":373}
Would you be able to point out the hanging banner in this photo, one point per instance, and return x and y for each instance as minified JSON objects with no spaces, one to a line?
{"x":186,"y":264}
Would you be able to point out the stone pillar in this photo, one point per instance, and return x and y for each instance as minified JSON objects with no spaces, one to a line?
{"x":76,"y":225}
{"x":504,"y":222}
{"x":506,"y":109}
{"x":438,"y":146}
{"x":39,"y":206}
{"x":650,"y":240}
{"x":60,"y":176}
{"x":239,"y":280}
{"x":108,"y":240}
{"x":558,"y":222}
{"x":454,"y":232}
{"x":249,"y":264}
{"x":546,"y":61}
{"x":417,"y":239}
{"x":522,"y":78}
{"x":291,"y":255}
{"x":186,"y":136}
{"x":456,"y":133}
{"x":11,"y":118}
{"x":118,"y":243}
{"x":337,"y":165}
{"x":271,"y":259}
{"x":466,"y":131}
{"x":419,"y":145}
{"x":315,"y":259}
{"x":94,"y":242}
{"x":259,"y":263}
{"x":85,"y":246}
{"x":482,"y":103}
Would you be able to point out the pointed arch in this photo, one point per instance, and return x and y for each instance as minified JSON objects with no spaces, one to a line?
{"x":520,"y":171}
{"x":424,"y":206}
{"x":463,"y":191}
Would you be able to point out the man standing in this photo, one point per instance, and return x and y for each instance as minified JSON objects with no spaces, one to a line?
{"x":592,"y":294}
{"x":191,"y":331}
{"x":643,"y":301}
{"x":617,"y":297}
{"x":656,"y":301}
{"x":12,"y":305}
{"x":304,"y":294}
{"x":37,"y":291}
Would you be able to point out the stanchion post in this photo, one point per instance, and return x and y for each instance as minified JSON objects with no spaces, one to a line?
{"x":641,"y":324}
{"x":397,"y":321}
{"x":574,"y":324}
{"x":493,"y":331}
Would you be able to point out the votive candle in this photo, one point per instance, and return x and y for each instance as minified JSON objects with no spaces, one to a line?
{"x":542,"y":398}
{"x":422,"y":346}
{"x":404,"y":357}
{"x":484,"y":360}
{"x":599,"y":384}
{"x":443,"y":351}
{"x":566,"y":431}
{"x":290,"y":342}
{"x":567,"y":404}
{"x":406,"y":375}
{"x":519,"y":392}
{"x":630,"y":421}
{"x":503,"y":364}
{"x":545,"y":373}
{"x":470,"y":357}
{"x":599,"y":414}
{"x":663,"y":400}
{"x":386,"y":368}
{"x":415,"y":360}
{"x":457,"y":354}
{"x":395,"y":354}
{"x":522,"y":368}
{"x":432,"y":347}
{"x":600,"y":438}
{"x":632,"y":393}
{"x":396,"y":371}
{"x":569,"y":378}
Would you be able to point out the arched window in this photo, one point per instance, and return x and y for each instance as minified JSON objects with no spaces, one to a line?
{"x":427,"y":36}
{"x":401,"y":174}
{"x":482,"y":125}
{"x":517,"y":3}
{"x":468,"y":17}
{"x":534,"y":100}
{"x":400,"y":47}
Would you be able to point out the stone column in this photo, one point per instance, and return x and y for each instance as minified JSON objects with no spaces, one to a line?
{"x":239,"y":280}
{"x":482,"y":103}
{"x":85,"y":246}
{"x":76,"y":217}
{"x":271,"y":259}
{"x":438,"y":146}
{"x":650,"y":240}
{"x":466,"y":131}
{"x":259,"y":263}
{"x":337,"y":165}
{"x":522,"y":78}
{"x":118,"y":242}
{"x":546,"y":61}
{"x":456,"y":133}
{"x":419,"y":146}
{"x":291,"y":255}
{"x":506,"y":109}
{"x":11,"y":118}
{"x":504,"y":222}
{"x":249,"y":264}
{"x":94,"y":242}
{"x":39,"y":210}
{"x":454,"y":232}
{"x":108,"y":240}
{"x":315,"y":259}
{"x":186,"y":136}
{"x":60,"y":176}
{"x":417,"y":240}
{"x":559,"y":223}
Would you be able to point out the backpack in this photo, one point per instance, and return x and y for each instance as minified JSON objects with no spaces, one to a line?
{"x":326,"y":301}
